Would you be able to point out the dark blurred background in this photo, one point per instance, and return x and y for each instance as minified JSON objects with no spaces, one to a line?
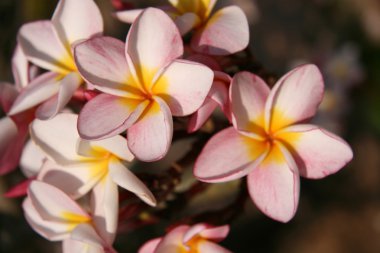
{"x":339,"y":214}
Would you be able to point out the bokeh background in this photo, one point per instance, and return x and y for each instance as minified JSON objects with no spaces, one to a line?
{"x":340,"y":214}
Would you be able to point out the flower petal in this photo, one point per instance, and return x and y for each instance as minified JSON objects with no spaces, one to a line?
{"x":207,"y":246}
{"x":86,"y":233}
{"x":57,"y":138}
{"x":172,"y":242}
{"x":51,"y":230}
{"x":184,"y":86}
{"x":77,"y":20}
{"x":126,"y":179}
{"x":186,"y":22}
{"x":128,"y":16}
{"x":68,"y":85}
{"x":42,"y":46}
{"x":248,"y":94}
{"x":274,"y":185}
{"x":20,"y":68}
{"x":54,"y":205}
{"x":107,"y":115}
{"x":215,"y":234}
{"x":227,"y":156}
{"x":318,"y":152}
{"x":294,"y":98}
{"x":71,"y":245}
{"x":38,"y":91}
{"x":105,"y":208}
{"x":150,"y":137}
{"x":32,"y":159}
{"x":226,"y":32}
{"x":101,"y":61}
{"x":8,"y":94}
{"x":199,"y":118}
{"x":152,"y":43}
{"x":150,"y":246}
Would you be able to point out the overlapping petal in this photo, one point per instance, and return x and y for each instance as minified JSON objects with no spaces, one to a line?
{"x":20,"y":68}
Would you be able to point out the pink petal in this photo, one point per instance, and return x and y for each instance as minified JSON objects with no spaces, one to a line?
{"x":57,"y":138}
{"x":248,"y":94}
{"x":42,"y":46}
{"x":101,"y":61}
{"x":86,"y":233}
{"x":152,"y":43}
{"x":77,"y":20}
{"x":74,"y":180}
{"x":128,"y":16}
{"x":295,"y":97}
{"x":226,"y":32}
{"x":199,"y":118}
{"x":227,"y":156}
{"x":108,"y":115}
{"x":8,"y":94}
{"x":20,"y":68}
{"x":150,"y":246}
{"x":38,"y":91}
{"x":207,"y":246}
{"x":186,"y":22}
{"x":274,"y":185}
{"x":126,"y":179}
{"x":20,"y":189}
{"x":68,"y":85}
{"x":53,"y":204}
{"x":105,"y":208}
{"x":216,"y":234}
{"x":193,"y":231}
{"x":184,"y":86}
{"x":150,"y":137}
{"x":32,"y":159}
{"x":172,"y":242}
{"x":318,"y":152}
{"x":71,"y":245}
{"x":51,"y":230}
{"x":206,"y":60}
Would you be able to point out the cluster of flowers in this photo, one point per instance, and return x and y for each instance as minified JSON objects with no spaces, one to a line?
{"x":137,"y":87}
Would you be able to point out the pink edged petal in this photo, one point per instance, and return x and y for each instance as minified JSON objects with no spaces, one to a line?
{"x":20,"y":68}
{"x":152,"y":43}
{"x":57,"y":138}
{"x":77,"y":20}
{"x":8,"y":94}
{"x":128,"y":16}
{"x":71,"y":245}
{"x":11,"y":144}
{"x":150,"y":137}
{"x":227,"y":156}
{"x":193,"y":231}
{"x":206,"y":60}
{"x":102,"y":62}
{"x":51,"y":230}
{"x":150,"y":246}
{"x":226,"y":32}
{"x":86,"y":233}
{"x":207,"y":246}
{"x":274,"y":185}
{"x":294,"y":98}
{"x":75,"y":180}
{"x":20,"y":189}
{"x":105,"y":208}
{"x":42,"y":46}
{"x":199,"y":118}
{"x":116,"y":145}
{"x":184,"y":86}
{"x":68,"y":85}
{"x":54,"y":205}
{"x":107,"y":115}
{"x":172,"y":242}
{"x":186,"y":22}
{"x":126,"y":179}
{"x":248,"y":94}
{"x":215,"y":234}
{"x":318,"y":152}
{"x":32,"y":159}
{"x":38,"y":91}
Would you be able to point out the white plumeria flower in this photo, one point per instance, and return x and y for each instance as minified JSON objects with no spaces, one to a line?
{"x":47,"y":44}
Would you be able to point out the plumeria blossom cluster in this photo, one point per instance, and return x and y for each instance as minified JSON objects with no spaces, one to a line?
{"x":128,"y":97}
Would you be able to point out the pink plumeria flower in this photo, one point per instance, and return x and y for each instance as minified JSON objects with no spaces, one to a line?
{"x":56,"y":217}
{"x":223,"y":33}
{"x":14,"y":129}
{"x":144,"y":82}
{"x":47,"y":44}
{"x":76,"y":166}
{"x":270,"y":142}
{"x":200,"y":238}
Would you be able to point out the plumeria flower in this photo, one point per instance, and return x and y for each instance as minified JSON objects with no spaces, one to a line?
{"x":200,"y":238}
{"x":14,"y":129}
{"x":47,"y":44}
{"x":223,"y":33}
{"x":270,"y":143}
{"x":144,"y":82}
{"x":76,"y":166}
{"x":56,"y":217}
